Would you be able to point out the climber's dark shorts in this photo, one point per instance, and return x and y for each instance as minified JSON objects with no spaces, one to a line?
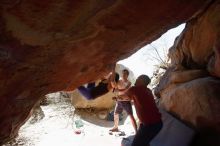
{"x":123,"y":105}
{"x":146,"y":133}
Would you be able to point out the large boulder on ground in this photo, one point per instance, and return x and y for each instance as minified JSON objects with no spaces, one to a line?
{"x":102,"y":102}
{"x":196,"y":102}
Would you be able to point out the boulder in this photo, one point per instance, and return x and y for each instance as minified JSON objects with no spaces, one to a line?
{"x":190,"y":87}
{"x":102,"y":102}
{"x":196,"y":102}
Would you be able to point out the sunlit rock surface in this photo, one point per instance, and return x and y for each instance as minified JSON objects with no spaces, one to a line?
{"x":102,"y":102}
{"x":48,"y":46}
{"x":190,"y":88}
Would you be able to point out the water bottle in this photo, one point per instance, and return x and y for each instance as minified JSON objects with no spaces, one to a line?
{"x":78,"y":125}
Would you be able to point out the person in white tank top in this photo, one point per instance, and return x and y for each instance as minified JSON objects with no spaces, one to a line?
{"x":123,"y":102}
{"x":123,"y":86}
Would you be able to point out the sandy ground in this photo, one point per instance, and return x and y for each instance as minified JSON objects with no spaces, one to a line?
{"x":57,"y":128}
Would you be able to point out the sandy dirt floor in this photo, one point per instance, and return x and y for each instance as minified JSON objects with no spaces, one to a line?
{"x":58,"y":128}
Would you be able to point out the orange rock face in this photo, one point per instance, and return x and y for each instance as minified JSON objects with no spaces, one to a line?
{"x":53,"y":45}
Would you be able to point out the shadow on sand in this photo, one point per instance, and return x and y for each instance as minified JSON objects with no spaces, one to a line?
{"x":91,"y":116}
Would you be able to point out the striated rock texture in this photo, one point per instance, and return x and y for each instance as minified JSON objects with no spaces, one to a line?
{"x":190,"y":87}
{"x":52,"y":45}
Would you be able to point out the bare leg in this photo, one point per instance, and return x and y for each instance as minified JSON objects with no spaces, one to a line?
{"x":116,"y":121}
{"x":133,"y":122}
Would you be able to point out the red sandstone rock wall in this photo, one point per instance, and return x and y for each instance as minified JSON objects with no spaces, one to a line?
{"x":53,"y":45}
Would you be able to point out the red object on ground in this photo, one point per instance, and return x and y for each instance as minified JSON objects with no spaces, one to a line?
{"x":77,"y":131}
